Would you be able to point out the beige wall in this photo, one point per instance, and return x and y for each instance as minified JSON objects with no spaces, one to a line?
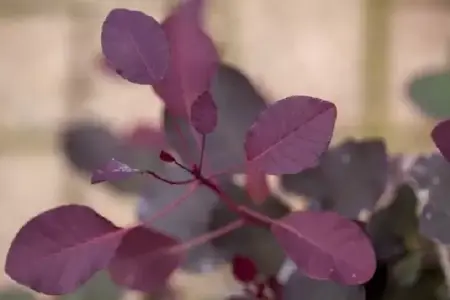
{"x":288,"y":47}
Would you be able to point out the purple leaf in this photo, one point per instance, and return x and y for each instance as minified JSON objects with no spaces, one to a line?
{"x":238,"y":104}
{"x":441,"y":137}
{"x":143,"y":261}
{"x":59,"y":250}
{"x":113,"y":171}
{"x":204,"y":114}
{"x":193,"y":58}
{"x":291,"y":135}
{"x":135,"y":45}
{"x":327,"y":246}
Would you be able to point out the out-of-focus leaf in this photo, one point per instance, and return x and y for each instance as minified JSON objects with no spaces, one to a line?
{"x":407,"y":270}
{"x":425,"y":287}
{"x":193,"y":58}
{"x":301,"y":287}
{"x":350,"y":177}
{"x":16,"y":294}
{"x":390,"y":227}
{"x":188,"y":220}
{"x":97,"y":288}
{"x":238,"y":105}
{"x":135,"y":46}
{"x":431,"y":93}
{"x":290,"y":135}
{"x":432,"y":173}
{"x":239,"y":297}
{"x":376,"y":286}
{"x":441,"y":137}
{"x":421,"y":170}
{"x":250,"y":241}
{"x":346,"y":258}
{"x":89,"y":146}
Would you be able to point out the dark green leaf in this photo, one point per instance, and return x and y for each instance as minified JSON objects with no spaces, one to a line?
{"x":16,"y":294}
{"x":431,"y":93}
{"x":100,"y":287}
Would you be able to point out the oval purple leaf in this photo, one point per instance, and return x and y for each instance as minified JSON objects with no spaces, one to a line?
{"x":113,"y":171}
{"x":144,"y":261}
{"x":441,"y":137}
{"x":290,"y":135}
{"x":135,"y":45}
{"x":204,"y":114}
{"x":325,"y":245}
{"x":59,"y":250}
{"x":193,"y":58}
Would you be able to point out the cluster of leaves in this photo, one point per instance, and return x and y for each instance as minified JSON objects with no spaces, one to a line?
{"x":59,"y":250}
{"x":194,"y":216}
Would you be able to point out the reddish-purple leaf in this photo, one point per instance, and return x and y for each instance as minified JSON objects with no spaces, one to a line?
{"x":290,"y":135}
{"x":193,"y":58}
{"x":135,"y":45}
{"x":144,"y":260}
{"x":325,"y":245}
{"x":441,"y":137}
{"x":59,"y":250}
{"x":204,"y":114}
{"x":256,"y":185}
{"x":243,"y":269}
{"x":113,"y":171}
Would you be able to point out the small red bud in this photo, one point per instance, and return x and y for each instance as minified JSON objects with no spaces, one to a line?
{"x":165,"y":156}
{"x":244,"y":270}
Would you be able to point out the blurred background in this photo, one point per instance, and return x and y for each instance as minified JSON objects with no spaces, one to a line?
{"x":360,"y":54}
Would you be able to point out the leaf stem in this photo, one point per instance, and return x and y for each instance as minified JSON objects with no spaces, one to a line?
{"x":168,"y":180}
{"x":207,"y":236}
{"x":202,"y":152}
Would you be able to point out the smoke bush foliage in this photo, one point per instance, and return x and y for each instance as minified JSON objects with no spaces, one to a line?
{"x":199,"y":209}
